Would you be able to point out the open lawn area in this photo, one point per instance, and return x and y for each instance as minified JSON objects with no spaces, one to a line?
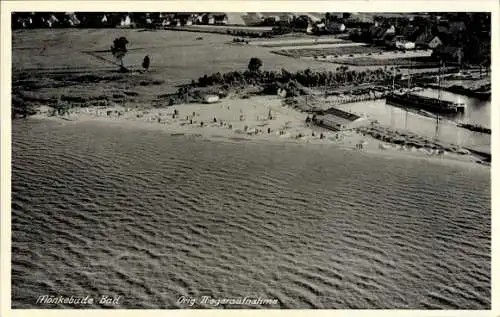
{"x":80,"y":60}
{"x":176,"y":57}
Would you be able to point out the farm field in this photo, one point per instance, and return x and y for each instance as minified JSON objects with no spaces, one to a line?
{"x":330,"y":51}
{"x":371,"y":61}
{"x":358,"y":54}
{"x":305,"y":41}
{"x":230,"y":27}
{"x":321,"y":46}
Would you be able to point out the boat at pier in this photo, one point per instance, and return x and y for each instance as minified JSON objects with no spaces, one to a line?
{"x":409,"y":99}
{"x":433,"y":105}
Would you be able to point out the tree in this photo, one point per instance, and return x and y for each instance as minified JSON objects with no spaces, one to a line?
{"x":119,"y":50}
{"x":255,"y":64}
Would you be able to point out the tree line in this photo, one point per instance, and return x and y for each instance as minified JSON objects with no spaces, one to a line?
{"x":306,"y":78}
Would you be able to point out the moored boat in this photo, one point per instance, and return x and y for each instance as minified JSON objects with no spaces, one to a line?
{"x":425,"y":103}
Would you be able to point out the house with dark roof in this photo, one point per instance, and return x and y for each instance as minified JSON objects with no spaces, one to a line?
{"x":410,"y":31}
{"x":457,"y":26}
{"x":384,"y":34}
{"x":443,"y":28}
{"x":219,"y":18}
{"x":376,"y":31}
{"x":251,"y":19}
{"x":428,"y":39}
{"x":435,"y":42}
{"x":335,"y":27}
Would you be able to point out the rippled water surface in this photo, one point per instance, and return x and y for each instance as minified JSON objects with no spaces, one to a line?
{"x":148,"y":216}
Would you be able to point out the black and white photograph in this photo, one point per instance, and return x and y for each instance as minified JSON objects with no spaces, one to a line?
{"x":251,"y":160}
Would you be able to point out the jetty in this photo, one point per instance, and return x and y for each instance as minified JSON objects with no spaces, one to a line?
{"x":483,"y":151}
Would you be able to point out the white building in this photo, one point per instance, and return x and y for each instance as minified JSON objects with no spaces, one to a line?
{"x":211,"y":98}
{"x":52,"y":20}
{"x":126,"y":22}
{"x":435,"y":42}
{"x":405,"y":45}
{"x":310,"y":29}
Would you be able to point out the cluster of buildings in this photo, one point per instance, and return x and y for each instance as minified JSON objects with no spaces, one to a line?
{"x":114,"y":19}
{"x":46,"y":19}
{"x":452,"y":37}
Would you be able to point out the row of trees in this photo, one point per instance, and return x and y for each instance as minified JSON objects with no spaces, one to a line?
{"x":272,"y":82}
{"x":306,"y":78}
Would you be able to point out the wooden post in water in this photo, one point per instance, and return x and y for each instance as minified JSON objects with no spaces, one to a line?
{"x":439,"y":99}
{"x":406,"y":108}
{"x":437,"y":126}
{"x":393,"y":89}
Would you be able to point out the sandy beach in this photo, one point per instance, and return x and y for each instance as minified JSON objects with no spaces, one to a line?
{"x":262,"y":118}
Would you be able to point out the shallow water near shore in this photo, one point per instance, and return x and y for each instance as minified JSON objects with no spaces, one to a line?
{"x":447,"y":131}
{"x":151,"y":217}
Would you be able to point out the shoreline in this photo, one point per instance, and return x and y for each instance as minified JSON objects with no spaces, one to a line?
{"x":246,"y":120}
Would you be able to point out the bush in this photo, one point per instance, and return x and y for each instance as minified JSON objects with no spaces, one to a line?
{"x":255,"y":64}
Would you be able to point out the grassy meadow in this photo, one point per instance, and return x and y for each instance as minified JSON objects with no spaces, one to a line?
{"x":176,"y":57}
